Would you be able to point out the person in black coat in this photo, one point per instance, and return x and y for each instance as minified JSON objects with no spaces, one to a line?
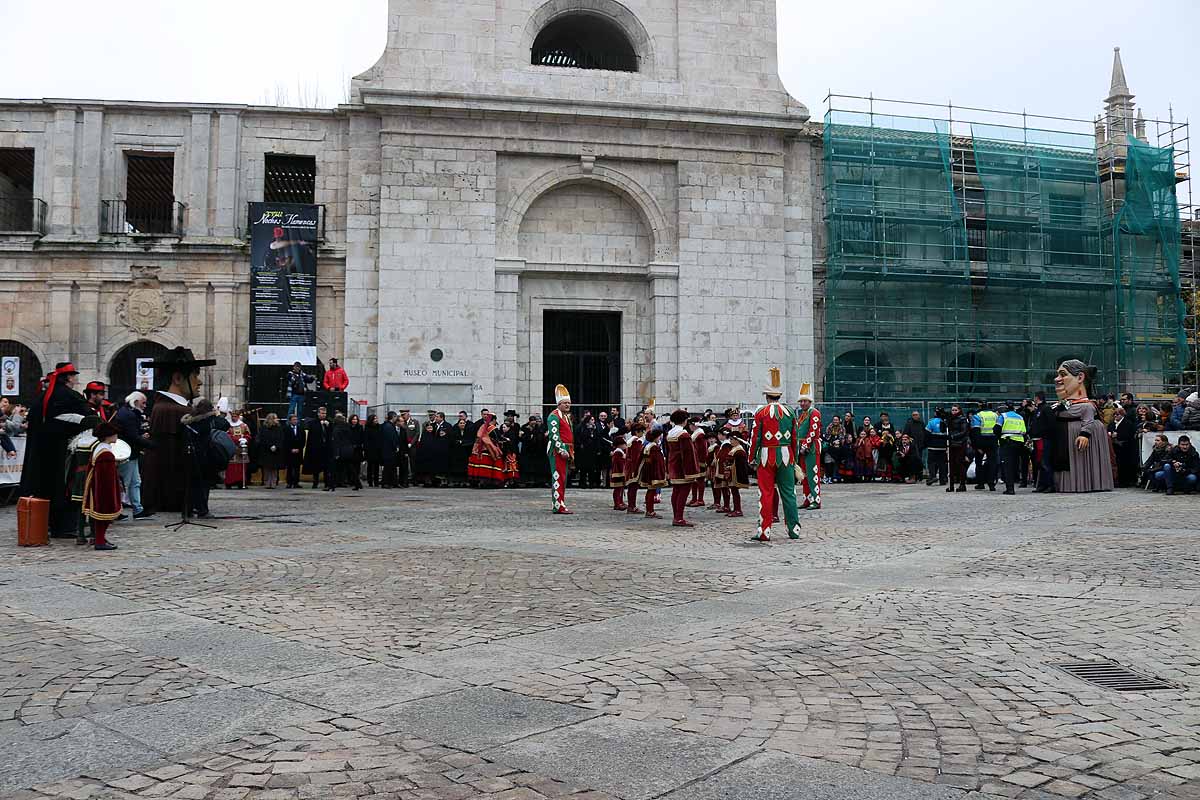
{"x":535,"y":467}
{"x":1127,"y":447}
{"x":586,"y":437}
{"x":294,"y":437}
{"x":431,"y":459}
{"x":359,"y":434}
{"x":54,"y":419}
{"x":342,"y":446}
{"x":372,"y":449}
{"x":462,"y":440}
{"x":318,"y":449}
{"x":392,"y":447}
{"x":272,"y":450}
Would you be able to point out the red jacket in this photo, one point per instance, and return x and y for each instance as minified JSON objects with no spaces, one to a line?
{"x":336,"y":380}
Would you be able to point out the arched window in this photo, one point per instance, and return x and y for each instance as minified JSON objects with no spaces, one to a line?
{"x":123,"y":374}
{"x":970,"y":375}
{"x":584,"y":41}
{"x":860,"y":375}
{"x":29,"y":370}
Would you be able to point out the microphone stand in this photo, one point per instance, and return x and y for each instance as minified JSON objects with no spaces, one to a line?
{"x":185,"y":513}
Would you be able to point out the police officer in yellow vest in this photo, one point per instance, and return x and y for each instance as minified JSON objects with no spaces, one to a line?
{"x":985,"y":428}
{"x":1012,"y":442}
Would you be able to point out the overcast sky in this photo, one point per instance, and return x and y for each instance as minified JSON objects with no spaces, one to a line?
{"x":1044,"y":56}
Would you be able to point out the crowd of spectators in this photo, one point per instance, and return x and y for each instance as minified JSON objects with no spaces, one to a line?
{"x":879,"y":451}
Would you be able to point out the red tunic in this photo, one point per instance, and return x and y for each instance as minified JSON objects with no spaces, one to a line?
{"x":102,"y":491}
{"x":633,"y":460}
{"x":681,"y":457}
{"x":722,"y":465}
{"x":616,"y":473}
{"x":653,"y":471}
{"x":700,"y":444}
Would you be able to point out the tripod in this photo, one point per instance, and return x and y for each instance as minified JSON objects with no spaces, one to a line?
{"x":185,"y":511}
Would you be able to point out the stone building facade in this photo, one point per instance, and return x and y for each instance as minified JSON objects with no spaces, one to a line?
{"x":484,"y":180}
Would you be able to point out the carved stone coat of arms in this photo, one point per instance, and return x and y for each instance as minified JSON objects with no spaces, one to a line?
{"x":145,"y":309}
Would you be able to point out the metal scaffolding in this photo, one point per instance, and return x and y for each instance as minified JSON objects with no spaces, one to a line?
{"x":970,"y":251}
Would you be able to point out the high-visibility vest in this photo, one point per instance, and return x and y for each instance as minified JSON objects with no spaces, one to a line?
{"x":1014,"y":427}
{"x":987,"y":423}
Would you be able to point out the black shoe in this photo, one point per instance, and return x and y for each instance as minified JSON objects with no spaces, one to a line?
{"x":121,"y":518}
{"x":1009,"y":491}
{"x":1170,"y":491}
{"x":143,"y":514}
{"x":992,"y":487}
{"x":961,"y":489}
{"x":106,"y":546}
{"x":979,"y":487}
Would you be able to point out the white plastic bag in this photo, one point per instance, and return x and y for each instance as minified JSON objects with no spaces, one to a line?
{"x":971,"y":471}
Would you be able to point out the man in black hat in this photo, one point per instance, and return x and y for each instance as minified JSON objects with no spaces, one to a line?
{"x":59,"y":415}
{"x":166,"y":468}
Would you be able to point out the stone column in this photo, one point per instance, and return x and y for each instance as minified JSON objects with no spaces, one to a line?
{"x":228,"y":137}
{"x":87,"y":330}
{"x":61,"y":311}
{"x":198,"y":160}
{"x":224,"y":374}
{"x":361,"y":310}
{"x":195,"y":311}
{"x":508,"y":294}
{"x":664,"y":296}
{"x":62,"y":183}
{"x":798,"y":266}
{"x":88,"y":224}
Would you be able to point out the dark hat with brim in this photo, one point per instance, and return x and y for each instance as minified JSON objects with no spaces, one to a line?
{"x":183,"y":360}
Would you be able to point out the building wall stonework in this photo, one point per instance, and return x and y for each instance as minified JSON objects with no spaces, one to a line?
{"x":466,"y":193}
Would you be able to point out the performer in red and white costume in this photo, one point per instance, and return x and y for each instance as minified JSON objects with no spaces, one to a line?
{"x":773,"y":451}
{"x":682,"y":470}
{"x":560,"y":448}
{"x":808,"y":456}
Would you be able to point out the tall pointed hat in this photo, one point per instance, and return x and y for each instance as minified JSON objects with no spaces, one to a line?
{"x":774,"y":387}
{"x":561,"y":394}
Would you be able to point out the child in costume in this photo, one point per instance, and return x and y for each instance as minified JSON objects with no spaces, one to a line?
{"x":720,"y":470}
{"x":739,"y":472}
{"x":616,"y":474}
{"x":635,"y":443}
{"x":102,"y":489}
{"x":652,"y":474}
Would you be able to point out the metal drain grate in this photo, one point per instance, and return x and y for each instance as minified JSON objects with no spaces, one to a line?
{"x":1111,"y":675}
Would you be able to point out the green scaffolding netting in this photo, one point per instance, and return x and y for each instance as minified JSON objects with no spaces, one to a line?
{"x":963,"y":267}
{"x":1146,"y":253}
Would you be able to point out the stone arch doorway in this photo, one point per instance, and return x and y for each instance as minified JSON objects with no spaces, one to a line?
{"x":29,"y":372}
{"x":124,"y":376}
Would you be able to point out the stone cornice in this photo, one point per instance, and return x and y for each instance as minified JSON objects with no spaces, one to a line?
{"x":661,"y":115}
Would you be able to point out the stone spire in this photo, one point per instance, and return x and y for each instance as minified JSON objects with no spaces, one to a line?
{"x":1139,"y":126}
{"x":1118,"y":106}
{"x":1118,"y":88}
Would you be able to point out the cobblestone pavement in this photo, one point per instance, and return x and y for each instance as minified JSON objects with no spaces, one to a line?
{"x":438,"y":645}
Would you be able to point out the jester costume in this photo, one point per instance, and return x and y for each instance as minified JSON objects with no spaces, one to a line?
{"x":773,"y":452}
{"x":808,"y":457}
{"x":560,"y":449}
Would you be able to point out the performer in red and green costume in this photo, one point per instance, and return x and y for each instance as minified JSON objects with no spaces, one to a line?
{"x":773,"y":453}
{"x":808,"y":456}
{"x":560,"y":448}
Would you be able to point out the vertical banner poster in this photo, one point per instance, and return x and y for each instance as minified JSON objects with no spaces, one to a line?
{"x":144,"y":375}
{"x":10,"y":375}
{"x":283,"y":283}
